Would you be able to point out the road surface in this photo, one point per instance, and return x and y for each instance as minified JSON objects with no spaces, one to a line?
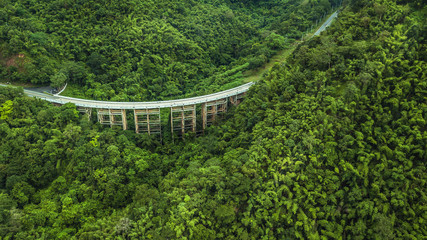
{"x":156,"y":104}
{"x":140,"y":105}
{"x":326,"y":23}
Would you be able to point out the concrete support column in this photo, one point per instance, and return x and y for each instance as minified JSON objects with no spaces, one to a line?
{"x":237,"y":99}
{"x":135,"y":118}
{"x":204,"y":116}
{"x":148,"y":123}
{"x":193,"y":118}
{"x":148,"y":120}
{"x":182,"y":121}
{"x":210,"y":110}
{"x":112,"y":117}
{"x":103,"y":116}
{"x":86,"y":111}
{"x":233,"y":100}
{"x":183,"y":118}
{"x":124,"y":120}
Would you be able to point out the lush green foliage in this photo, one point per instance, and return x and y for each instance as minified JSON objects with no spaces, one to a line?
{"x":144,"y":50}
{"x":330,"y":145}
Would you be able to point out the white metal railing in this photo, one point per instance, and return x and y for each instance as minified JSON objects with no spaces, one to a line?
{"x":141,"y":105}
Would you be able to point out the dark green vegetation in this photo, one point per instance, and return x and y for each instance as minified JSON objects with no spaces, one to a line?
{"x":134,"y":50}
{"x":330,"y":145}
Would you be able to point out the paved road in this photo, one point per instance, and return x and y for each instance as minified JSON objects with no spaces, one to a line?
{"x":158,"y":104}
{"x":326,"y":24}
{"x":139,"y":105}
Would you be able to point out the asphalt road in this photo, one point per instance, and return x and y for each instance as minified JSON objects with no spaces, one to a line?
{"x":157,"y":104}
{"x":140,"y":105}
{"x":326,"y":23}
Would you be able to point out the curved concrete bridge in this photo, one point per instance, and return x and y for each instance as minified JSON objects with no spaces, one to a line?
{"x":147,"y":114}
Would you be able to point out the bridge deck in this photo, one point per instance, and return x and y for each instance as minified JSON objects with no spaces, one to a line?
{"x":234,"y":92}
{"x":141,"y":105}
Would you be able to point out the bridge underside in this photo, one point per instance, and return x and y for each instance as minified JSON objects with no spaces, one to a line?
{"x":148,"y":120}
{"x":183,"y":119}
{"x":86,"y":111}
{"x":211,"y":110}
{"x":237,"y":99}
{"x":113,"y":117}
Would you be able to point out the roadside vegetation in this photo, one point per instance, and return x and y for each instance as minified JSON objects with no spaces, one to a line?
{"x":146,"y":50}
{"x":330,"y":144}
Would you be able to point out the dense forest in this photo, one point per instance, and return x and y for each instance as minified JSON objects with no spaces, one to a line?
{"x":330,"y":144}
{"x":134,"y":50}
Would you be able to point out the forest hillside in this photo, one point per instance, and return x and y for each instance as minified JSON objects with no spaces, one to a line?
{"x":331,"y":144}
{"x":134,"y":50}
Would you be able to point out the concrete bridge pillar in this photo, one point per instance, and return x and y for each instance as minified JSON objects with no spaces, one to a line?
{"x":183,"y":118}
{"x":210,"y":110}
{"x":148,"y":120}
{"x":86,"y":111}
{"x":112,"y":117}
{"x":237,"y":99}
{"x":233,"y":100}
